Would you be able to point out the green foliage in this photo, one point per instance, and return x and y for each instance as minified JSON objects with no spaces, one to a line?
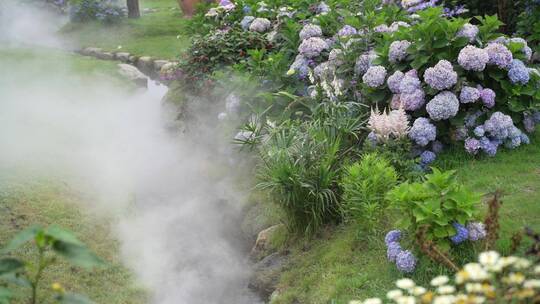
{"x":49,"y":243}
{"x":436,"y":203}
{"x":398,"y":153}
{"x":529,"y":25}
{"x":365,"y":184}
{"x":301,"y":169}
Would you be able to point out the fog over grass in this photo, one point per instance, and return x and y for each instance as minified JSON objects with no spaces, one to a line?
{"x":172,"y":194}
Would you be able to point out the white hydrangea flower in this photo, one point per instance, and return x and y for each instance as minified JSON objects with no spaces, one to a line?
{"x":440,"y":280}
{"x":405,"y":284}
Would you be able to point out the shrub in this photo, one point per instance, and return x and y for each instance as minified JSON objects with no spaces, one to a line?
{"x":300,"y":168}
{"x":439,"y":204}
{"x":107,"y":11}
{"x":365,"y":184}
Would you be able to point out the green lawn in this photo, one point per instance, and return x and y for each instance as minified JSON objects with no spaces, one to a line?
{"x":158,"y":34}
{"x":45,"y":203}
{"x":339,"y":266}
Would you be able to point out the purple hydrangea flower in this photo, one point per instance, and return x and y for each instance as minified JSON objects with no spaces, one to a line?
{"x":393,"y":236}
{"x":469,"y":95}
{"x":364,"y":62}
{"x":392,"y":251}
{"x":499,"y":55}
{"x":398,"y":50}
{"x":383,"y":28}
{"x":312,"y":47}
{"x":477,"y":231}
{"x":300,"y":67}
{"x":410,"y":82}
{"x":246,"y":9}
{"x":310,"y":30}
{"x":372,"y":138}
{"x":347,"y":31}
{"x":413,"y":101}
{"x":529,"y":123}
{"x":468,"y":31}
{"x":472,"y":145}
{"x":536,"y":116}
{"x":418,"y":5}
{"x":437,"y":147}
{"x":323,"y":8}
{"x":394,"y":82}
{"x":246,"y":22}
{"x":375,"y":76}
{"x":518,"y":72}
{"x":443,"y":106}
{"x":460,"y":133}
{"x":462,"y":234}
{"x":422,"y":131}
{"x":394,"y":27}
{"x":260,"y":25}
{"x":472,"y":58}
{"x":479,"y":131}
{"x":406,"y":261}
{"x":442,"y":76}
{"x":427,"y":157}
{"x":498,"y":125}
{"x":488,"y":97}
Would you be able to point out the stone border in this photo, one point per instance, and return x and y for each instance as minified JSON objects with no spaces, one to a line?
{"x":153,"y":68}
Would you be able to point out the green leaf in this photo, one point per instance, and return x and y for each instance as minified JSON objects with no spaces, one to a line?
{"x":16,"y":279}
{"x":440,"y":232}
{"x":77,"y":254}
{"x":22,"y":237}
{"x":8,"y":265}
{"x":59,"y":234}
{"x":74,"y":298}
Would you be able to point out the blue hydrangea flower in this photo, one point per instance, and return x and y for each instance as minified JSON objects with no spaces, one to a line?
{"x":524,"y":139}
{"x":347,"y":31}
{"x":462,"y":234}
{"x":260,"y":25}
{"x":422,"y":131}
{"x":518,"y":72}
{"x":437,"y":147}
{"x":312,"y":47}
{"x":323,"y":8}
{"x":468,"y":31}
{"x":364,"y":62}
{"x":393,"y":236}
{"x":398,"y":50}
{"x":392,"y":251}
{"x":375,"y":76}
{"x":479,"y":131}
{"x":443,"y":106}
{"x":489,"y":146}
{"x":427,"y":157}
{"x":394,"y":82}
{"x":442,"y":76}
{"x":499,"y":55}
{"x":529,"y":123}
{"x":472,"y":145}
{"x":300,"y":67}
{"x":310,"y":30}
{"x":372,"y":138}
{"x":469,"y":95}
{"x":410,"y":82}
{"x":477,"y":231}
{"x":513,"y":142}
{"x":246,"y":22}
{"x":246,"y":9}
{"x":472,"y":58}
{"x":406,"y":261}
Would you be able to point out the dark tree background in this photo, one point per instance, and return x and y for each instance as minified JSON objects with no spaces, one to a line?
{"x":133,"y":9}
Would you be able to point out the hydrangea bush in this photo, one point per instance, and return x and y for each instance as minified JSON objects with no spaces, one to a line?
{"x":454,"y":77}
{"x":107,"y":11}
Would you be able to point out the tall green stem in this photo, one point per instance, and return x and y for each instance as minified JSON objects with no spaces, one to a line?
{"x":37,"y":278}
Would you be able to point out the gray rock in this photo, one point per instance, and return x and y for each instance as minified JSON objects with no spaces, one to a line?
{"x":105,"y":56}
{"x":266,"y":274}
{"x":158,"y":64}
{"x":91,"y":51}
{"x":122,"y":56}
{"x":146,"y":64}
{"x":133,"y":59}
{"x":263,"y":241}
{"x":133,"y":74}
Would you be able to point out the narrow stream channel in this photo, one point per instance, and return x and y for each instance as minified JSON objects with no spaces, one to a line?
{"x":173,"y":195}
